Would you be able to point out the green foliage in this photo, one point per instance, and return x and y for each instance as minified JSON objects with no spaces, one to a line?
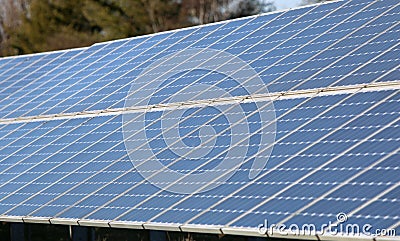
{"x":58,"y":24}
{"x":251,"y":7}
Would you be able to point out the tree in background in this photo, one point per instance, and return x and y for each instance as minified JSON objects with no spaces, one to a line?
{"x":307,"y":2}
{"x":29,"y":26}
{"x":9,"y":21}
{"x":208,"y":11}
{"x":58,"y":24}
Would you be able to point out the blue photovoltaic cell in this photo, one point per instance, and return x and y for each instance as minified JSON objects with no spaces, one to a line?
{"x":289,"y":50}
{"x":93,"y":185}
{"x":333,"y":151}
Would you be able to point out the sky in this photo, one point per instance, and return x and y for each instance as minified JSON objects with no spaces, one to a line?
{"x":283,"y":4}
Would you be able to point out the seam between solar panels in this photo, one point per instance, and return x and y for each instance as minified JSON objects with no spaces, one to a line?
{"x":191,"y":57}
{"x":233,"y":183}
{"x":300,"y":48}
{"x":268,"y":23}
{"x":208,"y":33}
{"x":74,"y":65}
{"x":285,"y":41}
{"x":268,"y":171}
{"x":121,"y":215}
{"x":175,"y":53}
{"x":327,"y":162}
{"x":379,"y":86}
{"x":141,"y":43}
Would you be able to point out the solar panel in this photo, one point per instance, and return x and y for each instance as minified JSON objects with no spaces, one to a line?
{"x":286,"y":118}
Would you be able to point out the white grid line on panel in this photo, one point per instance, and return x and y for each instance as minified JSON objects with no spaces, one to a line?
{"x":95,"y":70}
{"x":226,"y":21}
{"x":42,"y":161}
{"x":292,"y":52}
{"x":287,"y":160}
{"x":94,"y":192}
{"x":286,"y":113}
{"x":325,"y":164}
{"x":71,"y":173}
{"x":164,"y":50}
{"x":373,"y":19}
{"x":219,"y":40}
{"x":372,"y":200}
{"x":14,"y":67}
{"x":46,"y":52}
{"x":22,"y":136}
{"x":5,"y":63}
{"x":341,"y":184}
{"x":36,"y":70}
{"x":58,"y":74}
{"x":268,"y":50}
{"x":343,"y":38}
{"x":30,"y":90}
{"x":394,"y":226}
{"x":335,"y":90}
{"x":22,"y":66}
{"x":22,"y":70}
{"x":356,"y":69}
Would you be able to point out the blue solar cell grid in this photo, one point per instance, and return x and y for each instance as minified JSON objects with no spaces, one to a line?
{"x":332,"y":71}
{"x":300,"y":49}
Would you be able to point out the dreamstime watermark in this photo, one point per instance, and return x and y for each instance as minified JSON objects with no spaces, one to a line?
{"x":339,"y":227}
{"x":188,"y":142}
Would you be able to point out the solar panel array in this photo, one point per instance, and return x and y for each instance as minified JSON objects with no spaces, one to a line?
{"x":327,"y":77}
